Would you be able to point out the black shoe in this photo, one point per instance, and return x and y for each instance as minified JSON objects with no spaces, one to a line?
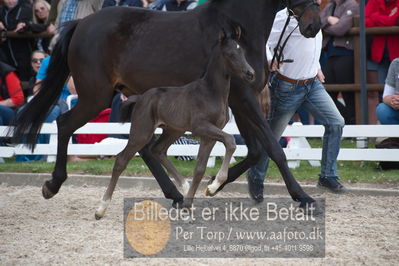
{"x":332,"y":184}
{"x":255,"y":190}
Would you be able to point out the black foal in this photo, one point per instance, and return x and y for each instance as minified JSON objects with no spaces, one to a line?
{"x":200,"y":107}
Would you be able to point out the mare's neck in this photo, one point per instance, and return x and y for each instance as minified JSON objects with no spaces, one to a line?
{"x":255,"y":16}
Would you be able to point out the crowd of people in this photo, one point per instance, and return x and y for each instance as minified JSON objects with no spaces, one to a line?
{"x":332,"y":55}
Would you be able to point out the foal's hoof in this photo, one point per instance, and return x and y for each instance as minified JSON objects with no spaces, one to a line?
{"x":207,"y":192}
{"x":98,"y":216}
{"x":47,"y":193}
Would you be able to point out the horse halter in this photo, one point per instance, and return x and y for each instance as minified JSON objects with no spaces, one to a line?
{"x":278,"y":50}
{"x":291,"y":4}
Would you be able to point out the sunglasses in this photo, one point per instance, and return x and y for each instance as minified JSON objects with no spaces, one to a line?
{"x":40,"y":9}
{"x":37,"y":60}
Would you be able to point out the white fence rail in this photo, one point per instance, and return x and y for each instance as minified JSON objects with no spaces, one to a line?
{"x":293,"y":152}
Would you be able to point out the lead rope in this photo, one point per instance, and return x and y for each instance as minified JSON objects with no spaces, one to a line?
{"x":278,"y":54}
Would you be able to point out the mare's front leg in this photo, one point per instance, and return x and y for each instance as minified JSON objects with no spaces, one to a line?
{"x":256,"y":130}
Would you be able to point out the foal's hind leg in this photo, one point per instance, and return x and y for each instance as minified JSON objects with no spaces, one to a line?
{"x":67,"y":124}
{"x":159,"y":151}
{"x":142,"y":135}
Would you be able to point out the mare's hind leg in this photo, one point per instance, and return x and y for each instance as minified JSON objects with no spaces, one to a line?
{"x":67,"y":123}
{"x":159,"y":151}
{"x":139,"y":136}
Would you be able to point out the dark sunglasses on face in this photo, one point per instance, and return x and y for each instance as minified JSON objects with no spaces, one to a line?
{"x":40,"y":9}
{"x":37,"y":60}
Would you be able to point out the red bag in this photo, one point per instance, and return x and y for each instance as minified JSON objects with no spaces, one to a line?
{"x":93,"y":138}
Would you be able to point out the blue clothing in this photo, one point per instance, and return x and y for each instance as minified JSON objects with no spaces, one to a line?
{"x":158,"y":5}
{"x":136,"y":3}
{"x":387,"y":115}
{"x":68,"y":11}
{"x":6,"y":115}
{"x":43,"y":73}
{"x":337,"y":50}
{"x":286,"y":99}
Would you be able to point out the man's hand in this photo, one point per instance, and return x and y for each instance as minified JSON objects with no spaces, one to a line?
{"x":320,"y":76}
{"x":20,"y":27}
{"x":332,"y":20}
{"x":393,"y":11}
{"x":394,"y":103}
{"x":2,"y":26}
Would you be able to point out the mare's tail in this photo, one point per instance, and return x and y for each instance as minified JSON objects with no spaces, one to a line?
{"x":28,"y":122}
{"x":127,"y":108}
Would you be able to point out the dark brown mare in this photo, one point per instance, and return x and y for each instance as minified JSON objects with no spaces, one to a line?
{"x":200,"y":106}
{"x":135,"y":49}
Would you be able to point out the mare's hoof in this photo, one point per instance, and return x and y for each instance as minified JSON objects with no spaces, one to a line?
{"x":187,"y":203}
{"x":47,"y":194}
{"x":310,"y":207}
{"x":177,"y":203}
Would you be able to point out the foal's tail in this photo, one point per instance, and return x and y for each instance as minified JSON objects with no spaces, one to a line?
{"x":29,"y":120}
{"x":127,"y":108}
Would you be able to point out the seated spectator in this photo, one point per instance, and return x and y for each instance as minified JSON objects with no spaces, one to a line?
{"x":16,"y":16}
{"x":179,"y":5}
{"x":41,"y":11}
{"x":136,"y":3}
{"x":11,"y":95}
{"x":388,"y":110}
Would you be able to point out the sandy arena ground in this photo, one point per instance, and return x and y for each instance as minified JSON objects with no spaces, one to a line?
{"x":360,"y":230}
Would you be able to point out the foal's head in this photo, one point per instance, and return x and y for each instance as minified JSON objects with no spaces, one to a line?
{"x":235,"y":60}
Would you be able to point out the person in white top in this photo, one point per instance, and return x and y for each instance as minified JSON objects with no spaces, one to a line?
{"x":294,"y":85}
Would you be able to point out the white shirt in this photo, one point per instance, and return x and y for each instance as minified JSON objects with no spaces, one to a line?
{"x":304,"y":51}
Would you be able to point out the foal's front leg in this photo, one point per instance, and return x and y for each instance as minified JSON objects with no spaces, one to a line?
{"x":204,"y":151}
{"x":221,"y":177}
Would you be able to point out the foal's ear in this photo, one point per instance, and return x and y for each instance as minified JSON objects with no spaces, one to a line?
{"x":237,"y":31}
{"x":222,"y":35}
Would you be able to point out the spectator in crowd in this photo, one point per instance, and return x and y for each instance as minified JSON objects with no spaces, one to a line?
{"x":36,"y":61}
{"x":157,"y":4}
{"x":41,"y":11}
{"x":15,"y":16}
{"x":67,"y":10}
{"x":179,"y":5}
{"x":200,"y":2}
{"x":136,"y":3}
{"x":337,"y":19}
{"x":388,"y":110}
{"x":384,"y":48}
{"x":11,"y":95}
{"x":294,"y":85}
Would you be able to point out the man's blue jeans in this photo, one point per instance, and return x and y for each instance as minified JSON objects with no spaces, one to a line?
{"x":286,"y":99}
{"x":387,"y":115}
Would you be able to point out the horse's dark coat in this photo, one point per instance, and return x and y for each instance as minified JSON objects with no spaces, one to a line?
{"x":137,"y":49}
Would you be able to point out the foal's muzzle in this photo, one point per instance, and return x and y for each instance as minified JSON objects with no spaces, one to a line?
{"x":250,"y":75}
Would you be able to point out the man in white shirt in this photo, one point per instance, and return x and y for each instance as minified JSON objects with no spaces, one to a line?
{"x":294,"y":85}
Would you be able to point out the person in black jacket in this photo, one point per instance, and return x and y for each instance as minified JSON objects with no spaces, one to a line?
{"x":16,"y":16}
